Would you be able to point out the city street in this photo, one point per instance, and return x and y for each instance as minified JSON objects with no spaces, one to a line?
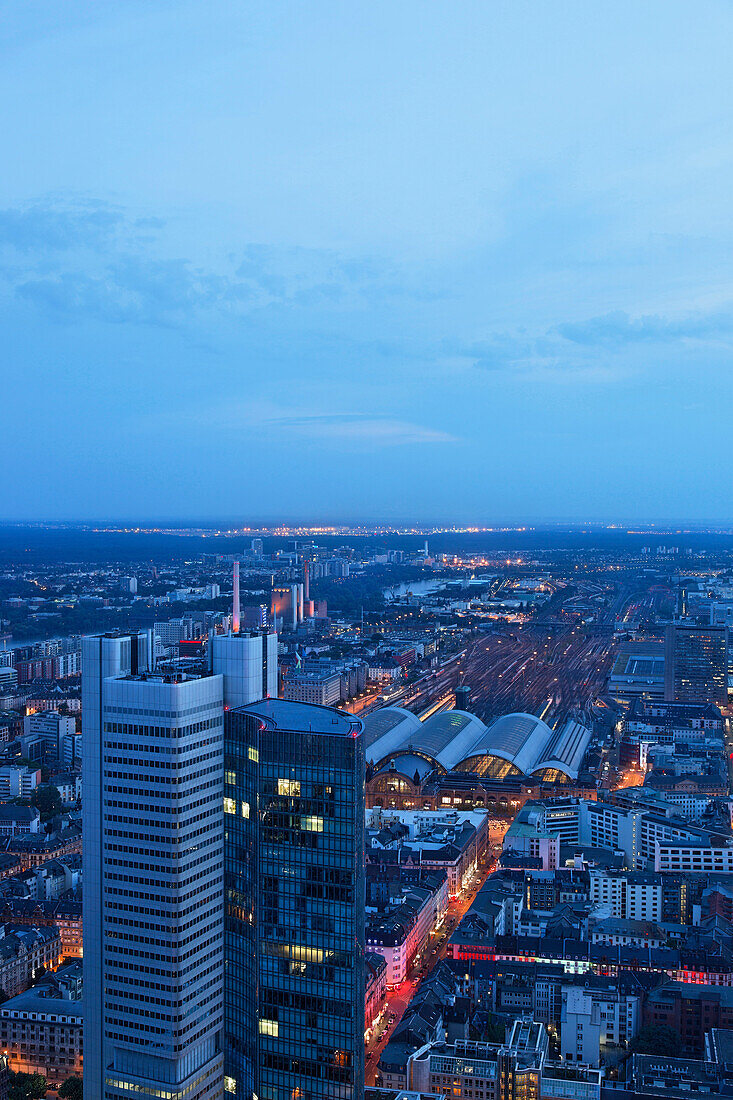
{"x":399,"y":998}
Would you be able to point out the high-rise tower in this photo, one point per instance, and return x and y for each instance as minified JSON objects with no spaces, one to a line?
{"x":153,"y":855}
{"x":104,"y":656}
{"x":294,"y":903}
{"x":696,"y":663}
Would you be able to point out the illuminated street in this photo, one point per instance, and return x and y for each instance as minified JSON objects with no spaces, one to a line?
{"x":399,"y":998}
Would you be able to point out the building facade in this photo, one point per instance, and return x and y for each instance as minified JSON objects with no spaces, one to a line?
{"x":696,"y":663}
{"x":153,"y":866}
{"x":294,"y":902}
{"x":248,"y":664}
{"x":42,"y":1033}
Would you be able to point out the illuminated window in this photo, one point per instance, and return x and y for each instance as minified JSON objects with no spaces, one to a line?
{"x":311,"y":824}
{"x":245,"y":810}
{"x":230,"y":778}
{"x":230,"y":806}
{"x":230,"y":1085}
{"x":290,"y":788}
{"x":269,"y":1027}
{"x":253,"y":755}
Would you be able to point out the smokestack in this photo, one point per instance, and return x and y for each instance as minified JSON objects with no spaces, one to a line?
{"x":235,"y":600}
{"x":306,"y":578}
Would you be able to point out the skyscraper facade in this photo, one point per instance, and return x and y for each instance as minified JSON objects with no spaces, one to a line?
{"x":248,"y":662}
{"x":294,"y":902}
{"x":153,"y":851}
{"x":103,"y":657}
{"x":696,"y":663}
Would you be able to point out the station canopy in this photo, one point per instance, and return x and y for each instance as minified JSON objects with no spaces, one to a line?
{"x":454,"y":740}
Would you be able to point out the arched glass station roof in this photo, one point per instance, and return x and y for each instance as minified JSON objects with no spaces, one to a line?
{"x":454,"y":740}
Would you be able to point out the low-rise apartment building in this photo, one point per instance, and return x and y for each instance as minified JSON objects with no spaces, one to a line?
{"x":42,"y":1030}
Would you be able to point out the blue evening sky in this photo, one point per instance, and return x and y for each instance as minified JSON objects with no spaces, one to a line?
{"x":380,"y":259}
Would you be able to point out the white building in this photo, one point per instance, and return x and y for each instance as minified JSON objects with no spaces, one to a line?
{"x":174,"y":631}
{"x":637,"y":832}
{"x":248,"y":663}
{"x":69,"y":786}
{"x":629,"y":895}
{"x":595,"y":1016}
{"x":18,"y":781}
{"x":449,"y":840}
{"x":321,"y":688}
{"x":678,"y":857}
{"x":580,"y":1027}
{"x":57,"y":730}
{"x":403,"y":933}
{"x":153,"y":876}
{"x":531,"y":840}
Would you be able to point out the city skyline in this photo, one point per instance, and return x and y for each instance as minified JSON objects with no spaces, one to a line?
{"x":366,"y":550}
{"x":333,"y":817}
{"x":474,"y":258}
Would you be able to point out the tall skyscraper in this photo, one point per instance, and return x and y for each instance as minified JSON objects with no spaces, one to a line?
{"x":153,"y":859}
{"x":294,"y":902}
{"x":104,"y":656}
{"x":696,"y":664}
{"x":248,"y":663}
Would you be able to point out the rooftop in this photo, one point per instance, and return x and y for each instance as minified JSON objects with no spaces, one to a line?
{"x":280,"y":714}
{"x":454,"y":739}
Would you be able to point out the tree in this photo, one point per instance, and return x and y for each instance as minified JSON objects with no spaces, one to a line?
{"x":494,"y":1031}
{"x":655,"y":1039}
{"x":27,"y":1086}
{"x":47,"y":801}
{"x":72,"y":1089}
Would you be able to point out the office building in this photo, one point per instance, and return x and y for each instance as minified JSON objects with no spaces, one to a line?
{"x":18,"y":780}
{"x":322,"y":688}
{"x":294,"y":902}
{"x":57,"y":730}
{"x":518,"y":1069}
{"x":174,"y":631}
{"x":248,"y":664}
{"x":102,"y":656}
{"x":153,"y":997}
{"x":696,"y":664}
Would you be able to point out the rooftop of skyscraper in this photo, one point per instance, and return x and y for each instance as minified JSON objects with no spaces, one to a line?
{"x":280,"y":714}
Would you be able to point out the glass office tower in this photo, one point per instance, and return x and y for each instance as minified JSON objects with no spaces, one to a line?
{"x":294,"y":897}
{"x":696,"y":663}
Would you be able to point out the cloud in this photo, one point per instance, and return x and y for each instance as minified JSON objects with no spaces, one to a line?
{"x":260,"y":415}
{"x":599,"y":349}
{"x":133,"y":289}
{"x":358,"y":428}
{"x":618,"y":329}
{"x":309,"y":276}
{"x":88,"y":259}
{"x":44,"y":228}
